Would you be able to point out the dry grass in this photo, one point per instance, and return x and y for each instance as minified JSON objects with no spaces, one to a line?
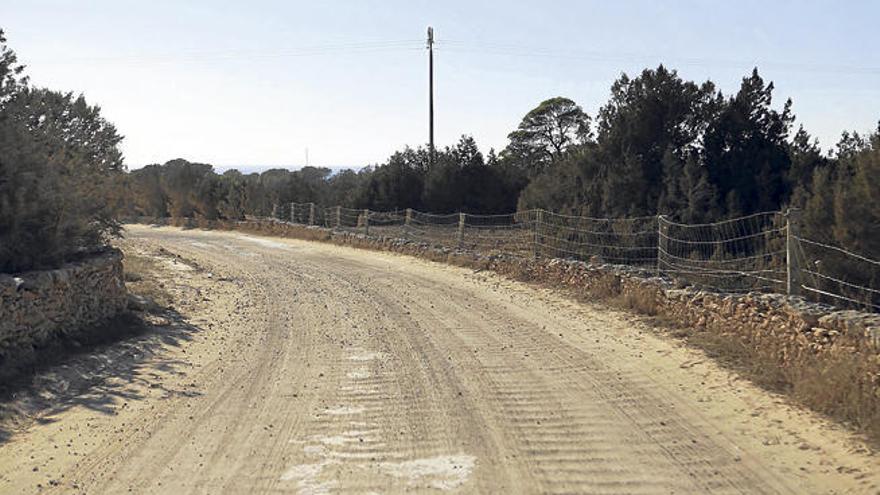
{"x":141,"y":278}
{"x":841,"y":384}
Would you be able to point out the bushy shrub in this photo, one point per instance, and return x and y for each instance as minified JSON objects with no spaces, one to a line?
{"x":60,"y":168}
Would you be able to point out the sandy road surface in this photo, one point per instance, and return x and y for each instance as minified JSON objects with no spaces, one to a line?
{"x":321,"y":369}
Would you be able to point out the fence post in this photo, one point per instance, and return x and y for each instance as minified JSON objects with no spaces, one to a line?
{"x":461,"y":217}
{"x":366,"y":221}
{"x":311,"y":213}
{"x":661,"y":245}
{"x":338,"y":217}
{"x":407,"y":222}
{"x":539,"y":218}
{"x":274,"y":210}
{"x":793,"y":269}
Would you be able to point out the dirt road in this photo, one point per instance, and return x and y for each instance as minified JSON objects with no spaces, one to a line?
{"x":319,"y":369}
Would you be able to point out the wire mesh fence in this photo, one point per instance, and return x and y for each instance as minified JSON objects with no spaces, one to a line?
{"x":836,"y":276}
{"x":741,"y":254}
{"x":621,"y":241}
{"x":758,"y":252}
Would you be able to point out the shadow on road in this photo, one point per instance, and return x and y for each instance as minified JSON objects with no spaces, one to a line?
{"x":101,"y":372}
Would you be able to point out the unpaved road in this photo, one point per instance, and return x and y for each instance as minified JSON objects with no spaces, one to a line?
{"x":320,"y":369}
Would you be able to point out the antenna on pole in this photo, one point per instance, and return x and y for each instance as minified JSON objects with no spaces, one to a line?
{"x":430,"y":46}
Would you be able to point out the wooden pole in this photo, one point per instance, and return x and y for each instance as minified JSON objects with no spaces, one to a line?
{"x":539,"y":218}
{"x":661,"y":245}
{"x":461,"y":222}
{"x":431,"y":95}
{"x":793,"y":269}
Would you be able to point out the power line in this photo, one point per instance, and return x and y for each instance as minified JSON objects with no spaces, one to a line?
{"x":220,"y":55}
{"x":516,"y":50}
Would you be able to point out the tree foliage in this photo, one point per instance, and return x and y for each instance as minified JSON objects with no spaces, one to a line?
{"x":546,"y":133}
{"x":60,"y":173}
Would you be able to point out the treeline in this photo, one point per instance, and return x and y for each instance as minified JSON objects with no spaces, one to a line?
{"x":60,"y":170}
{"x":455,"y":178}
{"x":660,"y":145}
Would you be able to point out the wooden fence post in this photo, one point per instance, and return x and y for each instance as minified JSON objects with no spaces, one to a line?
{"x":661,"y":245}
{"x":366,"y":221}
{"x":311,"y":213}
{"x":792,"y":267}
{"x":461,"y":220}
{"x":539,"y":218}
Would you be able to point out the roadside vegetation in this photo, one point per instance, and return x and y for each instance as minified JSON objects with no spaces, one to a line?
{"x":59,"y":169}
{"x":660,"y":145}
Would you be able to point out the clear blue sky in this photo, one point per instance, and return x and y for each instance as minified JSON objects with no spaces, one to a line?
{"x":244,"y":83}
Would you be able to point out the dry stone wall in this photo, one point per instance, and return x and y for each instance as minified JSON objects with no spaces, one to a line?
{"x":41,"y":306}
{"x":795,"y":328}
{"x":789,"y":326}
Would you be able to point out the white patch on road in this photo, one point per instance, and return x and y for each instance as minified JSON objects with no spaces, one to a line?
{"x":366,"y":356}
{"x":354,"y":437}
{"x":264,"y":242}
{"x":345,"y":410}
{"x":176,"y":265}
{"x":441,"y":472}
{"x":238,"y":252}
{"x":358,"y":374}
{"x":313,"y":449}
{"x":306,"y":476}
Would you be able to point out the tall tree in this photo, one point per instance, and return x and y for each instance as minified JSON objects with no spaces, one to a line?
{"x":546,"y":133}
{"x":647,"y":119}
{"x":59,"y":169}
{"x":746,"y":149}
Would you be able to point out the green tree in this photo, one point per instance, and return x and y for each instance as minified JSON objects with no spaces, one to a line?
{"x":460,"y":180}
{"x":59,"y":170}
{"x":546,"y":133}
{"x":746,"y":150}
{"x":398,"y":183}
{"x":649,"y":127}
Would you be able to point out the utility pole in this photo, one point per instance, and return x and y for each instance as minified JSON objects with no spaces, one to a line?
{"x":430,"y":45}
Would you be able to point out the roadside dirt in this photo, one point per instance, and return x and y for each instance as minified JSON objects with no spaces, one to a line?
{"x":312,"y":368}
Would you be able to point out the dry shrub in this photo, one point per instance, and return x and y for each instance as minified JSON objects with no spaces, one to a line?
{"x":517,"y":270}
{"x":607,"y":286}
{"x":140,"y":277}
{"x":843,"y":385}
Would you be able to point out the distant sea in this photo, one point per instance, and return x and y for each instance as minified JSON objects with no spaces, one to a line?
{"x":247,"y":169}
